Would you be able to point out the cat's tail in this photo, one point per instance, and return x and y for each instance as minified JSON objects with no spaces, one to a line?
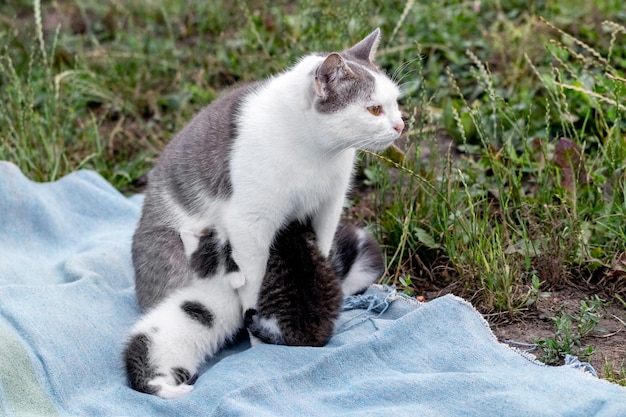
{"x":356,"y":258}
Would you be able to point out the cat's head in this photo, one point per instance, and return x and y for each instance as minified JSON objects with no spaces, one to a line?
{"x":357,"y":98}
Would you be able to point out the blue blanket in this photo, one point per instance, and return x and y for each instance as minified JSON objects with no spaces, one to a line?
{"x":67,"y":302}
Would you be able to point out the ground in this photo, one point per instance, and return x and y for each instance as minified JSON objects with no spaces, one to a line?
{"x":535,"y":322}
{"x":608,"y":339}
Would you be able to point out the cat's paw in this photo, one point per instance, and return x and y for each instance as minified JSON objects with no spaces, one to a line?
{"x":190,"y":241}
{"x":250,"y":321}
{"x":164,"y":387}
{"x":168,"y":391}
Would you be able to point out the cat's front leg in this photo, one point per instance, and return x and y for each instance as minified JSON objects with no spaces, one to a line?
{"x":252,"y":269}
{"x":250,"y":242}
{"x":325,"y":223}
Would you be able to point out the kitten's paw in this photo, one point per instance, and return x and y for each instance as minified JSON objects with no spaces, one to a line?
{"x":164,"y":388}
{"x":190,"y":241}
{"x":262,"y":329}
{"x":168,"y":391}
{"x":248,"y":317}
{"x":237,"y":281}
{"x":254,"y":341}
{"x":250,"y":321}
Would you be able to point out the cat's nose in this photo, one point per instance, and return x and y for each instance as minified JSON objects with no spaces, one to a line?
{"x":399,"y":127}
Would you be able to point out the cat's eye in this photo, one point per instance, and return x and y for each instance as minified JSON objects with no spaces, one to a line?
{"x":375,"y":110}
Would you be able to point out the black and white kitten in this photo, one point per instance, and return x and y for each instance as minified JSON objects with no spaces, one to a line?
{"x":299,"y":302}
{"x":260,"y":157}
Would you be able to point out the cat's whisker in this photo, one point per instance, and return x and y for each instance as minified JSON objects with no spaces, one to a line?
{"x":406,"y":74}
{"x":400,"y":70}
{"x":409,"y":87}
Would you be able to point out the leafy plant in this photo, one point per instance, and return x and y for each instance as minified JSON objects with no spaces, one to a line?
{"x":570,"y":329}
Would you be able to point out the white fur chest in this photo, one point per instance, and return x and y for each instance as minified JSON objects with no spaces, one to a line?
{"x":282,"y":159}
{"x":286,"y":182}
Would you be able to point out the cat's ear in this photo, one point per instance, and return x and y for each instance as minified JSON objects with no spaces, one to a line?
{"x":330,"y":72}
{"x":366,"y":49}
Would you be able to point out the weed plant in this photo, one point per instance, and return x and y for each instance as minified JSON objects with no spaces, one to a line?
{"x":569,"y":331}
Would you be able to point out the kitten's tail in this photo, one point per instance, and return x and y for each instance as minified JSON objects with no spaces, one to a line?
{"x":356,"y":258}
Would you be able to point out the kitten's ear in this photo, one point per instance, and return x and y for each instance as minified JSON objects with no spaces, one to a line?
{"x":366,"y":49}
{"x":331,"y":71}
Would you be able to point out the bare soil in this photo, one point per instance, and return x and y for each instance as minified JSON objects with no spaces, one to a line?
{"x":608,"y":338}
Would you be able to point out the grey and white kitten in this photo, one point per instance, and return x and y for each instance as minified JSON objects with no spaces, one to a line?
{"x":260,"y":157}
{"x":299,"y":302}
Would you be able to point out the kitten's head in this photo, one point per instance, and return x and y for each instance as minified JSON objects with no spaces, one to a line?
{"x":356,"y":98}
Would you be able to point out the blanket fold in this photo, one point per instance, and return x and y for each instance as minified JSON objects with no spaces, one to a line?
{"x":67,"y":303}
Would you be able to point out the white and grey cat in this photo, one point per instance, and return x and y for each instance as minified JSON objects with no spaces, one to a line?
{"x":260,"y":157}
{"x":299,"y":302}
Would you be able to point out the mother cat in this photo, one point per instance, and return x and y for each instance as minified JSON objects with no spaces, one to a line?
{"x":260,"y":157}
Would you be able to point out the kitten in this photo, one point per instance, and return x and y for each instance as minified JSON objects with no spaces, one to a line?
{"x":261,"y":157}
{"x":299,"y":302}
{"x":300,"y":297}
{"x":302,"y":291}
{"x":170,"y":342}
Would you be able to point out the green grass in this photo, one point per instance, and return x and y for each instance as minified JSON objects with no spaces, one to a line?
{"x":531,"y":196}
{"x":615,"y":373}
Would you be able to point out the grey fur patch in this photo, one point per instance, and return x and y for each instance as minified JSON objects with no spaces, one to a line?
{"x":348,"y":81}
{"x":180,"y":375}
{"x":159,"y":259}
{"x":139,"y":370}
{"x":198,"y":312}
{"x":345,"y":250}
{"x":370,"y":249}
{"x":231,"y":265}
{"x":196,"y":162}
